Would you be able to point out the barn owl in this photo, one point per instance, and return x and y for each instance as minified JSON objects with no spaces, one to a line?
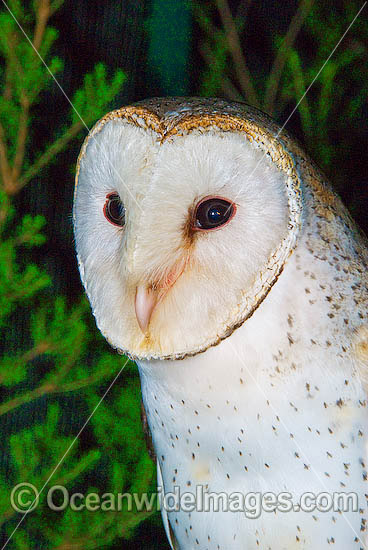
{"x":216,"y":256}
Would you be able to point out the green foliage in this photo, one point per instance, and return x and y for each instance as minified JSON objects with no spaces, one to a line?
{"x":293,"y":68}
{"x":213,"y":72}
{"x":19,"y":283}
{"x":327,"y":103}
{"x":35,"y":459}
{"x":58,"y":356}
{"x":91,"y":100}
{"x":25,"y":74}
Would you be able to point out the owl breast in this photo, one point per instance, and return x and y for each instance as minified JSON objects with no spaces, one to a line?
{"x":266,"y":412}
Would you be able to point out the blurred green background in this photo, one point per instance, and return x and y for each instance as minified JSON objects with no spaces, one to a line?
{"x":54,"y":365}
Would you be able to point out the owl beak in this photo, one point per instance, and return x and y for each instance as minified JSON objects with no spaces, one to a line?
{"x":146,"y":299}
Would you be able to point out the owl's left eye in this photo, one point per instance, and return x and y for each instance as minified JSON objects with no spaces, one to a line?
{"x":114,"y":210}
{"x":213,"y":212}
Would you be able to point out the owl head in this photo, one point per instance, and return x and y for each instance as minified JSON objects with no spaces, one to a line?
{"x":185,"y":213}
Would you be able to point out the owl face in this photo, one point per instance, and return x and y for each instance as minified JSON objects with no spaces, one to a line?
{"x":180,"y":232}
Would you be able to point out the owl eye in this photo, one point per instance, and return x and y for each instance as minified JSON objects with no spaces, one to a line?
{"x":212,"y":213}
{"x":114,"y":210}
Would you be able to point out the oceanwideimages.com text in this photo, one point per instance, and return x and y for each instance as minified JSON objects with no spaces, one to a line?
{"x":24,"y":498}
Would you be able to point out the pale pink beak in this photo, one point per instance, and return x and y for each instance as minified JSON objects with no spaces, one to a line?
{"x":147,"y":297}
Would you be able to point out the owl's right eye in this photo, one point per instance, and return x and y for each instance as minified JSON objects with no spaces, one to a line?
{"x":114,"y":210}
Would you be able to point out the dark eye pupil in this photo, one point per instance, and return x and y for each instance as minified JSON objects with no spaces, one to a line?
{"x":213,"y":213}
{"x":114,"y":210}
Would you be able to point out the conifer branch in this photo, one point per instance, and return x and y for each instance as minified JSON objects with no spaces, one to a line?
{"x":49,"y":154}
{"x":42,"y":15}
{"x":240,"y":65}
{"x":226,"y":86}
{"x":23,"y":124}
{"x":26,"y":397}
{"x":274,"y":78}
{"x":5,"y":169}
{"x":79,"y":384}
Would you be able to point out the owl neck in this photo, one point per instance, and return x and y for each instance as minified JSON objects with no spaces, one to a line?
{"x":286,"y":357}
{"x":242,"y":375}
